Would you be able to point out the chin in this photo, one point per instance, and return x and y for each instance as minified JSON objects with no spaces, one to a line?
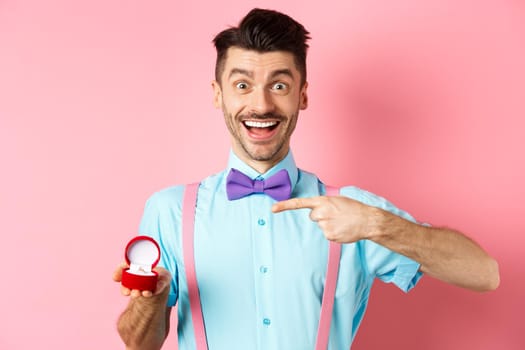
{"x":267,"y":152}
{"x":261,"y":157}
{"x":266,"y":155}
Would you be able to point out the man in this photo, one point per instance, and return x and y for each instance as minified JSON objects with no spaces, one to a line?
{"x":260,"y":262}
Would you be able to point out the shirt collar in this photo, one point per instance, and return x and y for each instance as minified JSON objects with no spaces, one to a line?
{"x":288,"y":163}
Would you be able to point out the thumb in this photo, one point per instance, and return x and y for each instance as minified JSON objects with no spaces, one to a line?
{"x":117,"y":273}
{"x":164,"y":280}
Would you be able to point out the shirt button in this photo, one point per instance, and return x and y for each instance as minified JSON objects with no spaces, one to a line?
{"x":263,"y":269}
{"x":261,"y":222}
{"x":266,"y":322}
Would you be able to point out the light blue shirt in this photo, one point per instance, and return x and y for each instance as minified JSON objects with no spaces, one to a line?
{"x":260,"y":274}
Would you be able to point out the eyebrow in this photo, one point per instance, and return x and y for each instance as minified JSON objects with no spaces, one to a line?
{"x":249,"y":74}
{"x":278,"y":72}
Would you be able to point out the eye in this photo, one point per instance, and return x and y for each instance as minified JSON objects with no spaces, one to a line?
{"x":279,"y":86}
{"x":241,"y":85}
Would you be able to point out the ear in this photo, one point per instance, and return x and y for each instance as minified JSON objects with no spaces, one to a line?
{"x":217,"y":94}
{"x":303,"y":103}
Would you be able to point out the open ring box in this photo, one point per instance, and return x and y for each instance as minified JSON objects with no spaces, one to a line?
{"x":142,"y":255}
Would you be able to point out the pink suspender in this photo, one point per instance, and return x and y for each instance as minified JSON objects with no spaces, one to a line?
{"x":332,"y":270}
{"x":188,"y":220}
{"x":188,"y":225}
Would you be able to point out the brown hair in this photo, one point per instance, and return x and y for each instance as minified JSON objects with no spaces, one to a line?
{"x":264,"y":31}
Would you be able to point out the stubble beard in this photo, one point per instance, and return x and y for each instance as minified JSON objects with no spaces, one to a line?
{"x":263,"y":155}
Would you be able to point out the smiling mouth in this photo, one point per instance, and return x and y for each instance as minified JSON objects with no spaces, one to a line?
{"x":261,"y":129}
{"x":250,"y":124}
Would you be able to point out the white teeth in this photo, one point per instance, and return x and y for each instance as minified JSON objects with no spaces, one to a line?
{"x":254,"y":124}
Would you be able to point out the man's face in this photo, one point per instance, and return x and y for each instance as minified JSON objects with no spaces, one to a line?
{"x":260,"y":95}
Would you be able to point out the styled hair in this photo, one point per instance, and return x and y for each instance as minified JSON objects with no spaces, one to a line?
{"x":264,"y":31}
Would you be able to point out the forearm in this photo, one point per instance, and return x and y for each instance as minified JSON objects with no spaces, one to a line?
{"x":443,"y":253}
{"x":145,"y":323}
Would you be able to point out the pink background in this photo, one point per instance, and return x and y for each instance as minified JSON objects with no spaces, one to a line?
{"x":104,"y":102}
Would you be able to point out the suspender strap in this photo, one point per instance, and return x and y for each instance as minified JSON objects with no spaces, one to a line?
{"x":332,"y":270}
{"x":188,"y":225}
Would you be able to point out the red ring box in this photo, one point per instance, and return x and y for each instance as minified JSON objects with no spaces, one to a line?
{"x":142,"y":254}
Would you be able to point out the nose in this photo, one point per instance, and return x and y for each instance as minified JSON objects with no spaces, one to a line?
{"x":262,"y":101}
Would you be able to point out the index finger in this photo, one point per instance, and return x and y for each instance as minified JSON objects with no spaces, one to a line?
{"x":296,"y":203}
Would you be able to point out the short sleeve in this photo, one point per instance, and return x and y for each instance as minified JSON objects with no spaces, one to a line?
{"x":391,"y":267}
{"x":382,"y":263}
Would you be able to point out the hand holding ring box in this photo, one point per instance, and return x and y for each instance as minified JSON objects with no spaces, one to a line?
{"x":142,"y":255}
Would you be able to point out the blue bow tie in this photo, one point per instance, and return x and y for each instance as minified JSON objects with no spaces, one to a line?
{"x":277,"y":186}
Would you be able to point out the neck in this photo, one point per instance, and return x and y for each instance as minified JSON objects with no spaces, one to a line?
{"x":261,"y":166}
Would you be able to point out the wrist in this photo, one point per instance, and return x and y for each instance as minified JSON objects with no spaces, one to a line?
{"x":377,"y":224}
{"x":147,"y":307}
